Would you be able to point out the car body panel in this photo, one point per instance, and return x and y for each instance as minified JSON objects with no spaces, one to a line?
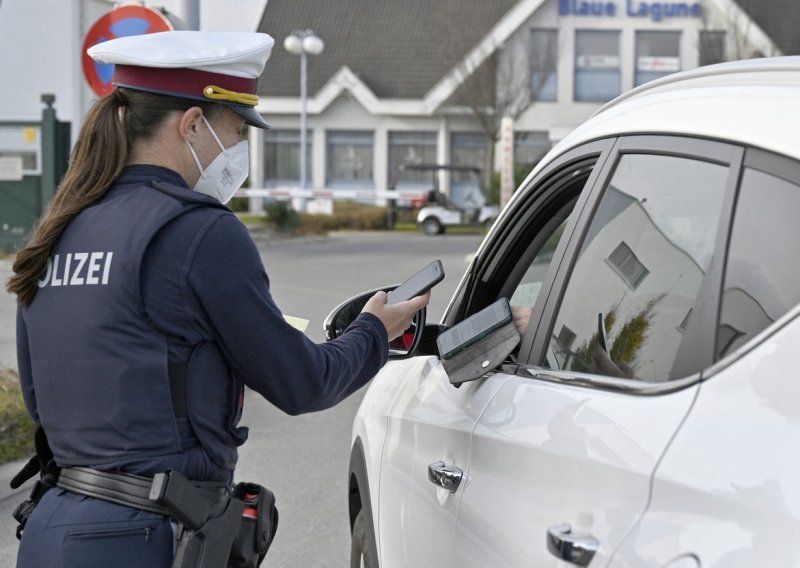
{"x":444,"y":215}
{"x":726,"y":491}
{"x":429,"y":421}
{"x":453,"y":216}
{"x":370,"y":425}
{"x":545,"y":454}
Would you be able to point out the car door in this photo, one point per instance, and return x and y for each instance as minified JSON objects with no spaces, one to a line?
{"x":428,"y":427}
{"x":725,"y":493}
{"x":430,"y":422}
{"x":561,"y":458}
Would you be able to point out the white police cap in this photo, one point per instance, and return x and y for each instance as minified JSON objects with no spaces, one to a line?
{"x":221,"y":67}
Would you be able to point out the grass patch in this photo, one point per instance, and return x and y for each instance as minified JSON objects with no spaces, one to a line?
{"x":347,"y":215}
{"x":408,"y":227}
{"x":16,"y":428}
{"x":249,"y":219}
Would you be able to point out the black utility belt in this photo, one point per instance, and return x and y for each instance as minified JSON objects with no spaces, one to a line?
{"x":120,"y":488}
{"x":217,"y":528}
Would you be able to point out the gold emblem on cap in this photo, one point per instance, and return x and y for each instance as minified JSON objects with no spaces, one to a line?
{"x":219,"y":94}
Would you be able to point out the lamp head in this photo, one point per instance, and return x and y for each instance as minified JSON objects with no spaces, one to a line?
{"x":293,"y":44}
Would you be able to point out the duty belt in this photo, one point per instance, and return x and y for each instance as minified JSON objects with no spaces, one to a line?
{"x":123,"y":488}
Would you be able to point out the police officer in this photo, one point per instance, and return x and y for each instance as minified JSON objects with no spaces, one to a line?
{"x":144,"y":307}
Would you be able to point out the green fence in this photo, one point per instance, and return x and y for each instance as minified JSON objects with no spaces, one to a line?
{"x":33,"y":158}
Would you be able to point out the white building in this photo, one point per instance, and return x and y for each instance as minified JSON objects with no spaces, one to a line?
{"x":397,"y":80}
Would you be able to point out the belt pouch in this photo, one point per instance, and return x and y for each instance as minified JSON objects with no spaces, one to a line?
{"x":258,"y":527}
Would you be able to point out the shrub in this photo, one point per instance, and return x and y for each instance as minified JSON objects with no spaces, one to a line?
{"x":282,"y":216}
{"x":346,"y":215}
{"x":16,"y":427}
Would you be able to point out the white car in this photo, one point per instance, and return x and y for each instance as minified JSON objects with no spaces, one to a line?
{"x":434,"y":219}
{"x":667,"y":227}
{"x":465,"y":206}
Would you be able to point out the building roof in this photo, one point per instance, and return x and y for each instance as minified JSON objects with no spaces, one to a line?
{"x":399,"y":49}
{"x":402,"y":49}
{"x":780,"y":20}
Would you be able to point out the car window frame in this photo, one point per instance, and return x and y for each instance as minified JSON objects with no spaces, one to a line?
{"x":698,"y":351}
{"x":778,"y":166}
{"x":502,"y":248}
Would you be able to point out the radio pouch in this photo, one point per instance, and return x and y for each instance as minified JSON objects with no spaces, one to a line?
{"x":258,"y":527}
{"x":483,"y":356}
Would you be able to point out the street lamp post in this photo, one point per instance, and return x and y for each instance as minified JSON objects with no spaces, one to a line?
{"x":303,"y":42}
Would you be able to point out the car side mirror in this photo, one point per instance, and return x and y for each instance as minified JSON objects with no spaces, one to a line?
{"x":345,"y":313}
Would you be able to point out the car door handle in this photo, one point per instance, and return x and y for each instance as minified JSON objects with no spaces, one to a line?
{"x":445,"y":476}
{"x":576,"y":549}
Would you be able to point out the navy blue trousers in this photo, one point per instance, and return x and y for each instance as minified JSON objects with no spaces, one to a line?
{"x":67,"y":530}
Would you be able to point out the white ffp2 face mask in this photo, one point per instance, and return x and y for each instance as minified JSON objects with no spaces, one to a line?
{"x":226,"y":173}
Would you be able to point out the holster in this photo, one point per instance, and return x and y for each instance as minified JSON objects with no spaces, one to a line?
{"x":258,"y":527}
{"x":43,"y":464}
{"x":217,"y":530}
{"x":208,"y":524}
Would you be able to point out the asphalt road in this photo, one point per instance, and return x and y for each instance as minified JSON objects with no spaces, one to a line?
{"x":302,"y":459}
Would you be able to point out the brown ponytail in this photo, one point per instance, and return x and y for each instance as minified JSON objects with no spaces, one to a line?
{"x":113,"y":125}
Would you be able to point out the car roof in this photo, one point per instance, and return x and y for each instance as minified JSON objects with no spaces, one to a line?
{"x":754,"y":102}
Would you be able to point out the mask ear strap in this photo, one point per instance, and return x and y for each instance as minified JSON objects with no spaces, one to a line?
{"x":214,"y":134}
{"x":196,"y":159}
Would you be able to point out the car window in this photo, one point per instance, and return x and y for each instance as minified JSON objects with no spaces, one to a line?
{"x":763,"y":269}
{"x":640,"y":268}
{"x":527,"y":291}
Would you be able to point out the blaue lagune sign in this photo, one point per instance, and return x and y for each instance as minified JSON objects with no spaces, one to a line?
{"x":656,"y":11}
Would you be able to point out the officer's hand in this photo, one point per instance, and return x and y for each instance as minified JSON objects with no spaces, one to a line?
{"x":396,"y":318}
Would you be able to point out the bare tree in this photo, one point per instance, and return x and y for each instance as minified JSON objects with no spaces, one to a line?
{"x":736,"y":26}
{"x":508,"y":82}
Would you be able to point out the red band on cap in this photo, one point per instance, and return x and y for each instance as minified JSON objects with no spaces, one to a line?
{"x":182,"y":81}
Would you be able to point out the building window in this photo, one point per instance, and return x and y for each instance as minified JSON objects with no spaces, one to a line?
{"x":530,"y":147}
{"x":467,"y":149}
{"x":282,"y":157}
{"x":544,"y":65}
{"x":657,"y":54}
{"x":597,"y":65}
{"x":410,"y":148}
{"x":712,"y":48}
{"x":628,"y":266}
{"x":349,"y":158}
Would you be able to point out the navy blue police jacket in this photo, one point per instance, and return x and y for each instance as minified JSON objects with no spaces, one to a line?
{"x":156,"y":281}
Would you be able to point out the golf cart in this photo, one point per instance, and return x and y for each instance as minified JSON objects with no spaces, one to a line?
{"x":466,"y":206}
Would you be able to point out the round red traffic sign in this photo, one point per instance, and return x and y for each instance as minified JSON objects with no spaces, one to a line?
{"x":120,"y":22}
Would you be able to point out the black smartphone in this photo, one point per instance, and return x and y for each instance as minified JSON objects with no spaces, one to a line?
{"x":418,"y":284}
{"x":477,"y":326}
